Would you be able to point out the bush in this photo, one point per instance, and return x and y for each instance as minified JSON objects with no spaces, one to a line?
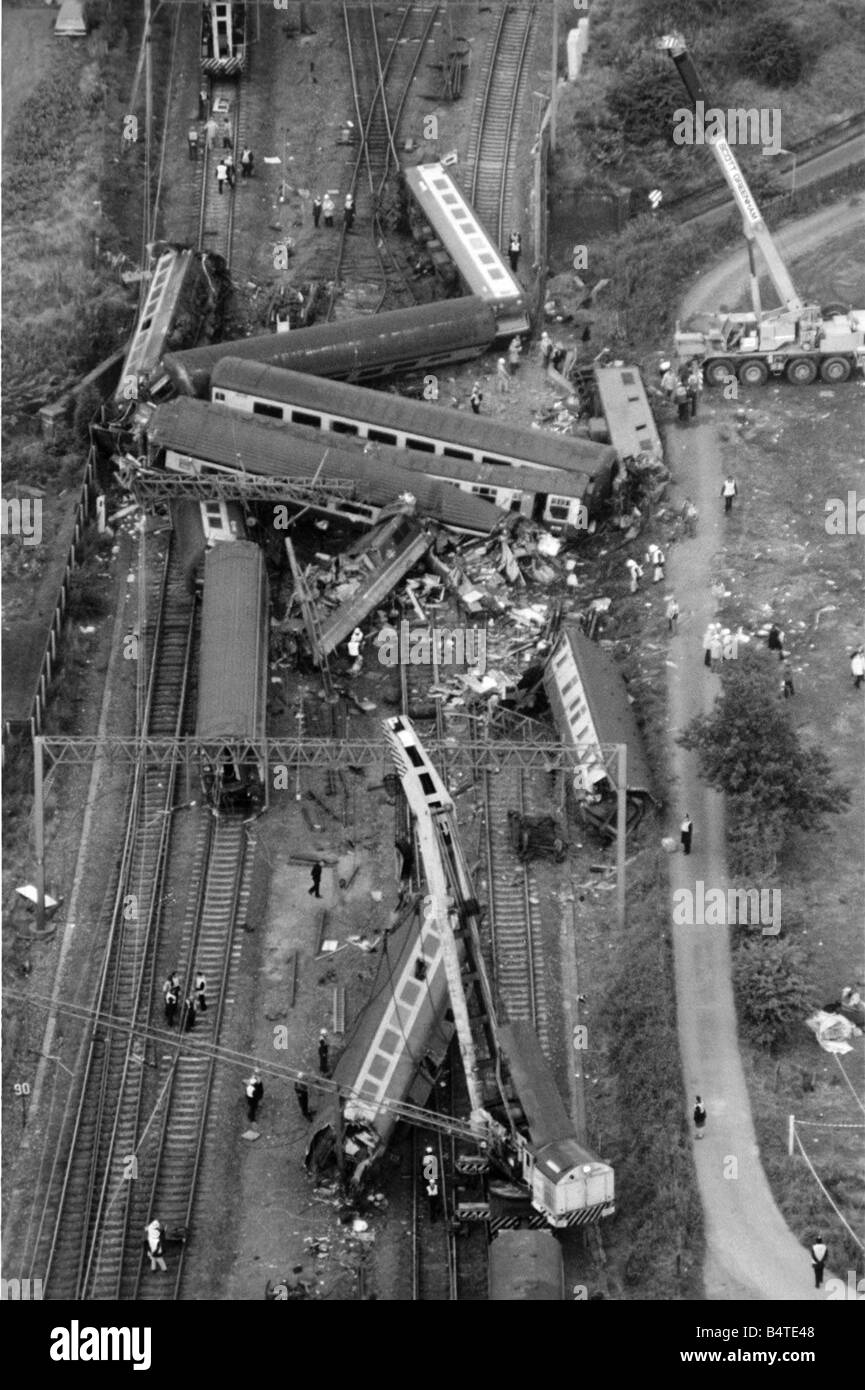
{"x":645,"y":98}
{"x":770,"y":50}
{"x":87,"y":599}
{"x":773,"y":995}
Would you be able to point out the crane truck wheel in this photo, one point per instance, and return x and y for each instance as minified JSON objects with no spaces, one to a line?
{"x":830,"y":310}
{"x":835,"y":369}
{"x":801,"y":371}
{"x":718,"y":372}
{"x":753,"y":372}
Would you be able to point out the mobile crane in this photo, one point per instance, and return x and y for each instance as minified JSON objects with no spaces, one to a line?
{"x":798,"y":340}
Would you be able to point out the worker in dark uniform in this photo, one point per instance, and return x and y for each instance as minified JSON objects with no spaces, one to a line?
{"x":323,"y":1053}
{"x":316,"y":879}
{"x":316,"y":210}
{"x":170,"y":1007}
{"x":348,"y":212}
{"x":515,"y":246}
{"x":430,"y":1170}
{"x":301,"y":1090}
{"x":192,"y":138}
{"x":254,"y":1091}
{"x":200,"y":992}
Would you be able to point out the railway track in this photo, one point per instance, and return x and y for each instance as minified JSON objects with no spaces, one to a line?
{"x":513,"y":908}
{"x":82,"y":1231}
{"x":490,"y":183}
{"x":435,"y":1268}
{"x":216,"y":210}
{"x":382,"y":67}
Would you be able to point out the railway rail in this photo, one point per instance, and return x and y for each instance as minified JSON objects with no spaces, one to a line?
{"x":491,"y":164}
{"x":435,"y":1268}
{"x":513,"y":907}
{"x":134,"y":1135}
{"x":382,"y":71}
{"x":216,"y":210}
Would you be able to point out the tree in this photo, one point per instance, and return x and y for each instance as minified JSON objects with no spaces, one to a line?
{"x":769,"y":49}
{"x":749,"y":748}
{"x":771,"y":988}
{"x":646,"y":97}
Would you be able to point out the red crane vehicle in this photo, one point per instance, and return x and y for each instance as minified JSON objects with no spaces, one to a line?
{"x":798,"y":341}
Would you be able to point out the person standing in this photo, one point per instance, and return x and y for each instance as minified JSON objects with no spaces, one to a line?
{"x":728,"y":492}
{"x":657,"y":559}
{"x":694,"y":385}
{"x":672,"y":613}
{"x":818,"y":1260}
{"x":680,"y":397}
{"x":192,"y":138}
{"x":187,"y":1016}
{"x":316,"y":210}
{"x":775,"y":641}
{"x":203,"y":104}
{"x":227,"y":134}
{"x":228,"y":161}
{"x":323,"y":1053}
{"x":170,"y":1007}
{"x":515,"y":348}
{"x":355,"y":643}
{"x":201,"y":992}
{"x":636,"y":572}
{"x":316,"y":878}
{"x":557,"y":356}
{"x":475,"y":398}
{"x":221,"y":175}
{"x":210,"y":130}
{"x":669,"y":380}
{"x":301,"y":1090}
{"x":153,"y":1234}
{"x":430,"y":1170}
{"x":545,"y":347}
{"x":700,"y":1118}
{"x":254,"y":1092}
{"x":690,"y":516}
{"x":348,"y":212}
{"x":686,"y":831}
{"x":247,"y":160}
{"x":327,"y":210}
{"x":786,"y":680}
{"x":503,"y":384}
{"x":857,"y":667}
{"x":515,"y":246}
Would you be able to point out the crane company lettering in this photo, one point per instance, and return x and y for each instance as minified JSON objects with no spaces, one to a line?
{"x":77,"y":1343}
{"x":21,"y":517}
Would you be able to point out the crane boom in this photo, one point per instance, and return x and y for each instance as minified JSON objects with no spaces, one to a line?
{"x":754,"y":227}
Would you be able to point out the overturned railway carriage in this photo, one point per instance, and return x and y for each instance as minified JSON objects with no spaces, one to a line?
{"x":625,"y":406}
{"x":223,"y":38}
{"x":393,"y":1055}
{"x":185,"y":289}
{"x":526,"y":1267}
{"x":475,"y":255}
{"x":590,"y":706}
{"x":337,"y":477}
{"x":231,"y":724}
{"x":569,"y":1185}
{"x":368,"y":349}
{"x":380,"y":417}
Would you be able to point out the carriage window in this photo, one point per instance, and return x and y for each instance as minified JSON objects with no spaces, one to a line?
{"x":300,"y":417}
{"x":457,"y":454}
{"x":486,"y":458}
{"x":381,"y":437}
{"x":488,"y":492}
{"x":426,"y":446}
{"x":219,"y":395}
{"x":558,"y":509}
{"x":569,"y":685}
{"x":273,"y":412}
{"x":343,"y":427}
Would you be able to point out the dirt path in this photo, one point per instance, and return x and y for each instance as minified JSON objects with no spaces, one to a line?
{"x":751,"y":1254}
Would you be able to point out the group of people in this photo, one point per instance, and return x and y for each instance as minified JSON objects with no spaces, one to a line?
{"x":194,"y":1002}
{"x":323,"y":208}
{"x":253,"y":1086}
{"x":682,"y":387}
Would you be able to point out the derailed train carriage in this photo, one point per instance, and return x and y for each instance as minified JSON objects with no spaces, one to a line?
{"x":396,"y":1049}
{"x":223,"y":38}
{"x":362,"y":350}
{"x":199,"y":526}
{"x":231,"y":724}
